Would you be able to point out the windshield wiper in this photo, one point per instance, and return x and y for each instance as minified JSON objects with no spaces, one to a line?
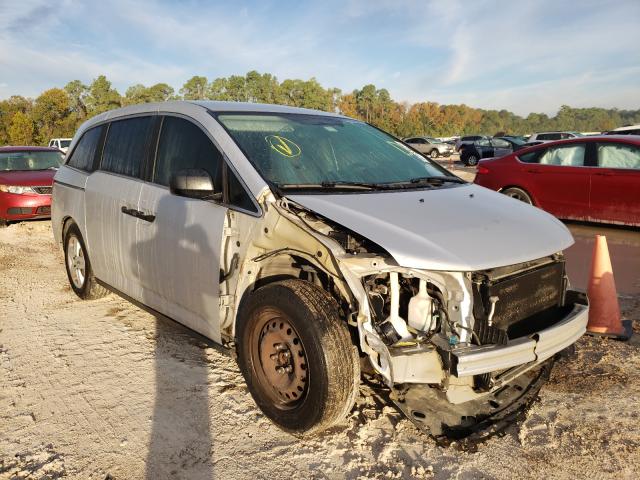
{"x":331,"y":185}
{"x":437,"y":179}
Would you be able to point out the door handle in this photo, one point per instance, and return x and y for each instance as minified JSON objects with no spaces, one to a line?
{"x":147,"y":217}
{"x":604,"y":174}
{"x":129,"y":211}
{"x":532,"y":170}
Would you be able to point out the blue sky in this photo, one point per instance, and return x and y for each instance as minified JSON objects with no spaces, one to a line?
{"x":517,"y":55}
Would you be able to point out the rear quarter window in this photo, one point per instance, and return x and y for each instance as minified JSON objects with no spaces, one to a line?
{"x":530,"y":157}
{"x":84,"y":155}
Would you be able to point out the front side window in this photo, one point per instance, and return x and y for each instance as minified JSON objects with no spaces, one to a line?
{"x":65,"y":143}
{"x":26,"y":160}
{"x":303,"y":150}
{"x":618,"y":155}
{"x":126,"y":145}
{"x":566,"y":156}
{"x":183,"y":145}
{"x":85,"y":152}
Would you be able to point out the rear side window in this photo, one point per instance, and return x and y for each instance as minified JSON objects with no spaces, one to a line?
{"x":617,"y":155}
{"x":84,"y":154}
{"x":126,"y":145}
{"x":530,"y":157}
{"x":183,"y":145}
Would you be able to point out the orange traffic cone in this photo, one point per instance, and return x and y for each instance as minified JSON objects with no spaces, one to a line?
{"x":604,"y":310}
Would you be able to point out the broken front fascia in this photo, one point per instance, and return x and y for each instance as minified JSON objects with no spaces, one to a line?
{"x":422,"y":365}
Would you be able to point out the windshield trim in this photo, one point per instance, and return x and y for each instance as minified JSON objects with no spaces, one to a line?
{"x":280,"y":192}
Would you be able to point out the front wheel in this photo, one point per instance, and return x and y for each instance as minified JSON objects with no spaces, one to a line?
{"x":297,"y":357}
{"x":79,"y":271}
{"x":434,"y":153}
{"x":518,"y":194}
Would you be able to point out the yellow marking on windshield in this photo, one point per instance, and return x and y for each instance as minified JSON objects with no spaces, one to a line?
{"x":283,"y":146}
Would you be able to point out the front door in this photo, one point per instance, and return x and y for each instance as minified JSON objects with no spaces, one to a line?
{"x":179,"y":239}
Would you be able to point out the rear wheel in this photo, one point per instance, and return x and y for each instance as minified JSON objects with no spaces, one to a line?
{"x":518,"y":194}
{"x":296,"y":355}
{"x":79,"y":271}
{"x":472,"y":160}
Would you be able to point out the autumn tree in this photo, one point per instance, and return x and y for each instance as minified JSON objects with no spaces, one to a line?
{"x":21,"y":129}
{"x":8,"y":108}
{"x":50,"y":110}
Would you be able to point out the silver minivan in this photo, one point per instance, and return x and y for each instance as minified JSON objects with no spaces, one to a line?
{"x":318,"y":248}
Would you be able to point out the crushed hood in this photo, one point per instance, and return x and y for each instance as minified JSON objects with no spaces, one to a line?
{"x":460,"y":228}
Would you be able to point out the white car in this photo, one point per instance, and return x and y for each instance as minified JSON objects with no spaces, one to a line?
{"x":430,"y":146}
{"x":61,"y":144}
{"x":306,"y":241}
{"x":542,"y":137}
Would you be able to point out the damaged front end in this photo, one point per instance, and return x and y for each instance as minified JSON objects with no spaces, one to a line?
{"x":458,"y":350}
{"x":463,"y":350}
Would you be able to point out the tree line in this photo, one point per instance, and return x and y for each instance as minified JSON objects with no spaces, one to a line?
{"x":58,"y":112}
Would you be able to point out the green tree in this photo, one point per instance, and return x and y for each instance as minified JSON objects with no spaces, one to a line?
{"x":194,"y":89}
{"x":160,"y":92}
{"x":21,"y":130}
{"x":102,"y":97}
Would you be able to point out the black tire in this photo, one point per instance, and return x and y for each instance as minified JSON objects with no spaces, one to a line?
{"x":434,"y":153}
{"x":4,"y":223}
{"x":518,"y":194}
{"x":87,"y":288}
{"x":328,"y":373}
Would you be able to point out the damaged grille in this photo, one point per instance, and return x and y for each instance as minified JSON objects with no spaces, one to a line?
{"x":521,"y":295}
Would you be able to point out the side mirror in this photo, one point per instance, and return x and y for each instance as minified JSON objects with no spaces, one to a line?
{"x":193,"y":183}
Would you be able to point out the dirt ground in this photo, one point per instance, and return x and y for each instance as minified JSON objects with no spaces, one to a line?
{"x":104,"y":390}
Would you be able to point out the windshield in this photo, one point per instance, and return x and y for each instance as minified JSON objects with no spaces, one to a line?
{"x":65,"y":143}
{"x":298,"y":149}
{"x":26,"y":160}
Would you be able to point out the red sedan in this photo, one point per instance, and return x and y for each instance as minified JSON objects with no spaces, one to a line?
{"x":26,"y":178}
{"x":595,"y":179}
